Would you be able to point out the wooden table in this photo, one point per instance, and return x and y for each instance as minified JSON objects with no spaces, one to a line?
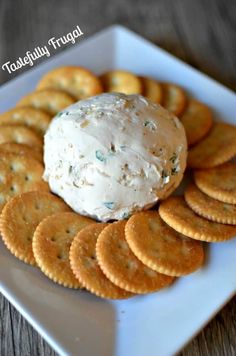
{"x":202,"y":33}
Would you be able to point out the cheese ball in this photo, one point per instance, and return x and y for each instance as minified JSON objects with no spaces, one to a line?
{"x":112,"y":155}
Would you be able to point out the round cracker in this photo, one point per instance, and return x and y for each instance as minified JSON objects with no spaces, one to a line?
{"x":208,"y":207}
{"x":85,"y":266}
{"x":35,"y":119}
{"x":122,"y":82}
{"x":217,"y":148}
{"x":50,"y":100}
{"x":21,"y":150}
{"x":174,"y":98}
{"x":122,"y":267}
{"x":176,"y":213}
{"x":20,"y":134}
{"x":76,"y":81}
{"x":51,"y":244}
{"x":197,"y":121}
{"x":219,"y":182}
{"x":19,"y":174}
{"x":152,"y":89}
{"x":160,"y":247}
{"x":20,"y":217}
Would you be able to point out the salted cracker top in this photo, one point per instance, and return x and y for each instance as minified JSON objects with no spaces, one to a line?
{"x":113,"y":154}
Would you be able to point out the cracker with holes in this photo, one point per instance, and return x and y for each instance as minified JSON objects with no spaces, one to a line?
{"x":76,"y":81}
{"x":122,"y":267}
{"x":174,"y":98}
{"x":219,"y":182}
{"x":152,"y":90}
{"x":197,"y":120}
{"x":121,"y":81}
{"x":20,"y":134}
{"x":160,"y":247}
{"x":177,"y":214}
{"x":51,"y":244}
{"x":20,"y":217}
{"x":35,"y":119}
{"x":22,"y":150}
{"x":19,"y":174}
{"x":218,"y":147}
{"x":85,"y":266}
{"x":208,"y":207}
{"x":50,"y":100}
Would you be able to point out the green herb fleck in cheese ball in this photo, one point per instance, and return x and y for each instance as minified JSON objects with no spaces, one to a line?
{"x":113,"y":154}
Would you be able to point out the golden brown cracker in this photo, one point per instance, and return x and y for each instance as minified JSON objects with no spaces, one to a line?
{"x":219,"y":182}
{"x":152,"y":90}
{"x":122,"y":82}
{"x":37,"y":120}
{"x":208,"y":207}
{"x":174,"y":98}
{"x":122,"y":267}
{"x":218,"y":147}
{"x":50,"y":100}
{"x":21,"y":150}
{"x":197,"y":121}
{"x":20,"y":217}
{"x":19,"y":174}
{"x":85,"y":266}
{"x":51,"y":244}
{"x":160,"y":247}
{"x":177,"y":214}
{"x":20,"y":134}
{"x":76,"y":81}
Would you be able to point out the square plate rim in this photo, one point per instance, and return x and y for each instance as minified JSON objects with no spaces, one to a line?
{"x":116,"y":29}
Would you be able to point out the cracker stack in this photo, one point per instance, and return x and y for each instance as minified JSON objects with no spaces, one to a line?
{"x":136,"y":256}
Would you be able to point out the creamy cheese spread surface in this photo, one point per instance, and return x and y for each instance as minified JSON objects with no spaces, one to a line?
{"x":113,"y":154}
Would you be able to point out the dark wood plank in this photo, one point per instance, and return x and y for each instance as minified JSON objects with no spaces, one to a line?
{"x":202,"y":33}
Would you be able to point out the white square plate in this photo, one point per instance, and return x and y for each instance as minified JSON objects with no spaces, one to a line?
{"x":76,"y":322}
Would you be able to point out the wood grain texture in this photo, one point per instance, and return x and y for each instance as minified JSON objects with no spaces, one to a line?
{"x":202,"y":33}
